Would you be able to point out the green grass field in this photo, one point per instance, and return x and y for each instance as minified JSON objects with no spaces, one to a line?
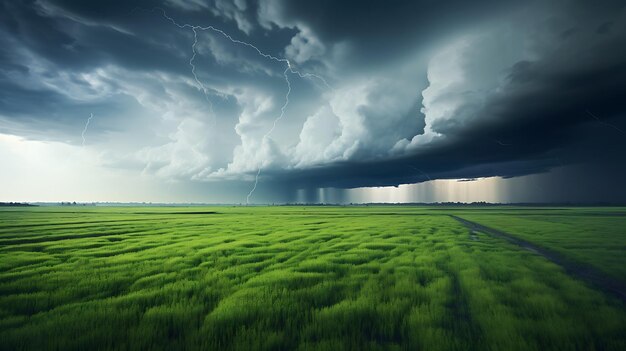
{"x":596,"y":237}
{"x":305,"y":278}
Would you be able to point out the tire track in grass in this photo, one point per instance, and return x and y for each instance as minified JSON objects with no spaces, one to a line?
{"x":578,"y":270}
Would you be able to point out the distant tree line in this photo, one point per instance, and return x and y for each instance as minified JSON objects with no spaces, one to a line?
{"x":15,"y":204}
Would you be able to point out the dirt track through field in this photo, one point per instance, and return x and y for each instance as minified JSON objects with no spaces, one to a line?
{"x":578,"y":270}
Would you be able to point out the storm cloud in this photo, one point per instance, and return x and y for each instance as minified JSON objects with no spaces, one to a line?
{"x":416,"y":90}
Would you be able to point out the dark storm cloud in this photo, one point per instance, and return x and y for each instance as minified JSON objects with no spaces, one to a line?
{"x":377,"y":32}
{"x":553,"y":107}
{"x":61,"y":40}
{"x":543,"y":116}
{"x":80,"y":35}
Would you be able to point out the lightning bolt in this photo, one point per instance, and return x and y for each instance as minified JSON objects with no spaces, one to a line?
{"x":288,"y":70}
{"x":256,"y":181}
{"x":501,"y":143}
{"x":195,"y":28}
{"x":603,"y":122}
{"x":85,"y":130}
{"x":419,"y":170}
{"x":282,"y":113}
{"x":195,"y":76}
{"x":432,"y":181}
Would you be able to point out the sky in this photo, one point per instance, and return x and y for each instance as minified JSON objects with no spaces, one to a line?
{"x":274,"y":101}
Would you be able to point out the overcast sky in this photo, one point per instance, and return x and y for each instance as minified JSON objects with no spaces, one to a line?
{"x":332,"y":101}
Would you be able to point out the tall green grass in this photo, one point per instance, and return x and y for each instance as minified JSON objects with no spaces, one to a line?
{"x":389,"y":278}
{"x":595,"y":237}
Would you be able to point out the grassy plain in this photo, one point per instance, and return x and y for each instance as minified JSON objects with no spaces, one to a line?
{"x":276,"y":278}
{"x":595,"y":236}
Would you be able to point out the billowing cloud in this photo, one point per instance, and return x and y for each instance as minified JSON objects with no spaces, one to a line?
{"x":416,"y":91}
